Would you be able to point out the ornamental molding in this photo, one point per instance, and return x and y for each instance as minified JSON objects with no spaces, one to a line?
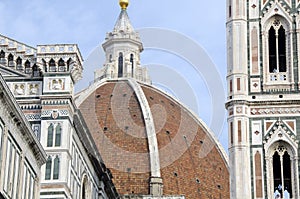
{"x":275,"y":111}
{"x":54,"y":114}
{"x":33,"y":117}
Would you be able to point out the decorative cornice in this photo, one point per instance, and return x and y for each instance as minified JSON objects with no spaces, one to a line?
{"x":21,"y":122}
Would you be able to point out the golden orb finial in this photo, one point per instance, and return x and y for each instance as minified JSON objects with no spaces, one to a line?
{"x":124,"y":4}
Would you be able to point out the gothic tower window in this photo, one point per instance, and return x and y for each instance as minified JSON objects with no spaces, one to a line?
{"x":58,"y":135}
{"x":278,"y":71}
{"x":132,"y":65}
{"x":276,"y":170}
{"x":54,"y":138}
{"x":52,"y":167}
{"x":19,"y":63}
{"x":2,"y":57}
{"x":50,"y":136}
{"x":282,"y":170}
{"x":27,"y":67}
{"x":52,"y":66}
{"x":272,"y":50}
{"x":56,"y":168}
{"x":230,"y":9}
{"x":61,"y":65}
{"x":36,"y":71}
{"x":48,"y":168}
{"x":277,"y":46}
{"x":287,"y":172}
{"x":120,"y":65}
{"x":281,"y":49}
{"x":10,"y":60}
{"x":84,"y":188}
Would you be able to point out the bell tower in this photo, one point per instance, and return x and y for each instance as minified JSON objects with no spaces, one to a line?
{"x":263,"y":97}
{"x":237,"y":79}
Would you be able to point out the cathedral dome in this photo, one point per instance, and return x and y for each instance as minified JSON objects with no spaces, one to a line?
{"x":188,"y":161}
{"x":154,"y":146}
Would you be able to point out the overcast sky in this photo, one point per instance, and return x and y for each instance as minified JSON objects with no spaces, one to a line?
{"x":86,"y":23}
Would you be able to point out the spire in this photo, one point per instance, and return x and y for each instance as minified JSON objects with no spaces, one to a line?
{"x":123,"y":23}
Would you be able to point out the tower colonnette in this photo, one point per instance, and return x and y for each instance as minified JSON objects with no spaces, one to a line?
{"x":263,"y":97}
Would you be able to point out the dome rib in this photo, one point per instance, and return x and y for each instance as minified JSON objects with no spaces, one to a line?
{"x":150,"y":128}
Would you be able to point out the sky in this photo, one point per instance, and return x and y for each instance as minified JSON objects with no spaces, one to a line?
{"x":86,"y":23}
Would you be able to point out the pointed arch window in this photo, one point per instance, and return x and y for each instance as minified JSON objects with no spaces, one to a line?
{"x":52,"y":168}
{"x":132,"y":64}
{"x":58,"y":135}
{"x":84,"y":188}
{"x":10,"y":60}
{"x":2,"y":57}
{"x":120,"y":65}
{"x":36,"y":71}
{"x":287,"y":172}
{"x":277,"y":48}
{"x":19,"y":63}
{"x":282,"y":170}
{"x":61,"y":65}
{"x":50,"y":136}
{"x":27,"y":67}
{"x":229,"y":8}
{"x":54,"y":135}
{"x":56,"y":168}
{"x":48,"y":168}
{"x":52,"y":66}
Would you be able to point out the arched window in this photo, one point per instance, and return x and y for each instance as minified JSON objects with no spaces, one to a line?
{"x":2,"y":54}
{"x":48,"y":168}
{"x":61,"y":65}
{"x":287,"y":172}
{"x":230,"y":9}
{"x":282,"y":170}
{"x":281,"y":49}
{"x":11,"y":60}
{"x":277,"y":48}
{"x":83,"y":191}
{"x":36,"y":71}
{"x":2,"y":57}
{"x":276,"y":170}
{"x":58,"y":135}
{"x":50,"y":136}
{"x":120,"y":65}
{"x":27,"y":67}
{"x":132,"y":65}
{"x":56,"y":168}
{"x":19,"y":63}
{"x":272,"y":51}
{"x":70,"y":63}
{"x":84,"y":188}
{"x":52,"y":66}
